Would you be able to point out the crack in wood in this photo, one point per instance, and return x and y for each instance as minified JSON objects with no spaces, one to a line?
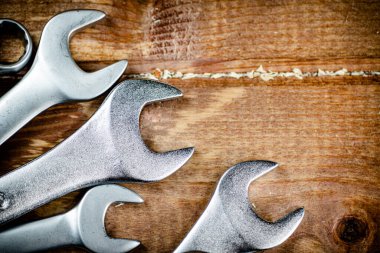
{"x":260,"y":72}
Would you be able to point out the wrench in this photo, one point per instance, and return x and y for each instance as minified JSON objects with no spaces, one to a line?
{"x":81,"y":226}
{"x":230,"y":224}
{"x":9,"y":24}
{"x":54,"y":77}
{"x":108,"y":147}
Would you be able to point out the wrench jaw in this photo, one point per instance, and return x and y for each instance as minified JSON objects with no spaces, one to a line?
{"x":58,"y":31}
{"x":259,"y":234}
{"x":91,"y":214}
{"x":140,"y":163}
{"x":230,"y":224}
{"x":54,"y":59}
{"x":282,"y":229}
{"x":99,"y":81}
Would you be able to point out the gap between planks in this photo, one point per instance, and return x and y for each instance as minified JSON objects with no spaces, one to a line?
{"x":260,"y":72}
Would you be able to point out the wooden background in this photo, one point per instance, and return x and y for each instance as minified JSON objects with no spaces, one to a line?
{"x":323,"y":131}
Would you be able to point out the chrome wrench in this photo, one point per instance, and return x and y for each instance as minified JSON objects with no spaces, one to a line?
{"x":230,"y":224}
{"x":108,"y":147}
{"x":82,"y":226}
{"x":54,"y":77}
{"x":14,"y":67}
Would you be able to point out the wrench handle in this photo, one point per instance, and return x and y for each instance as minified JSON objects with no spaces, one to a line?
{"x":23,"y":102}
{"x":40,"y":235}
{"x":62,"y":170}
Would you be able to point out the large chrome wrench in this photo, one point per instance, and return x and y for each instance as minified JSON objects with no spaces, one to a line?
{"x":82,"y":226}
{"x":106,"y":148}
{"x":230,"y":224}
{"x":54,"y":77}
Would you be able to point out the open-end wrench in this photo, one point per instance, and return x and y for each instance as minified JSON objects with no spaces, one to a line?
{"x":230,"y":224}
{"x":54,"y":77}
{"x":82,"y":226}
{"x":108,"y":147}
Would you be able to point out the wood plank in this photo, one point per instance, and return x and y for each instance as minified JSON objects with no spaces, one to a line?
{"x":324,"y":132}
{"x":219,"y":36}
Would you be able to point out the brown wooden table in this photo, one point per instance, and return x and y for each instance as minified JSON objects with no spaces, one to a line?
{"x":324,"y":131}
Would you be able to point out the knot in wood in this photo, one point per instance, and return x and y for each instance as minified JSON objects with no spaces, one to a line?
{"x":351,"y":229}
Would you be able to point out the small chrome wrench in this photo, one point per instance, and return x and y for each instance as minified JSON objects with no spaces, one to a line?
{"x":54,"y":77}
{"x":82,"y":226}
{"x":230,"y":224}
{"x":17,"y":66}
{"x":108,"y":147}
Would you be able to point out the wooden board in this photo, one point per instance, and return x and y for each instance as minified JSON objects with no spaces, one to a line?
{"x":323,"y":131}
{"x":215,"y":36}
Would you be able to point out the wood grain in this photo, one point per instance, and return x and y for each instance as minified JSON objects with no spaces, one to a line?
{"x":323,"y":131}
{"x":219,"y":36}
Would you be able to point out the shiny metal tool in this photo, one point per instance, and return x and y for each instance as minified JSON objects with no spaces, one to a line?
{"x":230,"y":224}
{"x":14,"y":67}
{"x":108,"y":147}
{"x":54,"y":77}
{"x":82,"y":226}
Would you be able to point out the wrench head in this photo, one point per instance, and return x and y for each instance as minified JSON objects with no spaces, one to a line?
{"x":122,"y":109}
{"x":28,"y":43}
{"x":56,"y":66}
{"x":232,"y":190}
{"x":230,"y":224}
{"x":91,"y":212}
